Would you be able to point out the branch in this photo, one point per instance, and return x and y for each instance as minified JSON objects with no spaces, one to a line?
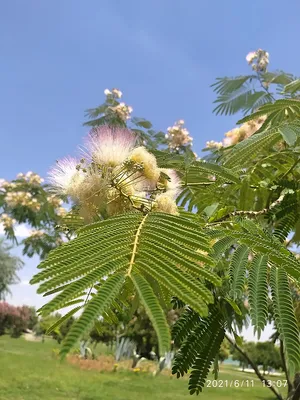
{"x":254,"y":213}
{"x":264,"y":87}
{"x":296,"y":395}
{"x":291,"y":169}
{"x":259,"y":375}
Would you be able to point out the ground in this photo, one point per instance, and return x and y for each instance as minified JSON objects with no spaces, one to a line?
{"x":31,"y":371}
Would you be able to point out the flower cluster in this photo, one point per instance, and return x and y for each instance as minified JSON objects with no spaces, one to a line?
{"x":61,"y":212}
{"x":258,"y":59}
{"x":14,"y":199}
{"x":178,"y":136}
{"x":121,"y":110}
{"x":246,"y":130}
{"x":114,"y":176}
{"x":54,"y":201}
{"x":31,"y":177}
{"x":237,"y":135}
{"x":213,"y":145}
{"x":4,"y":185}
{"x":36,"y":234}
{"x":7,"y":221}
{"x":114,"y":93}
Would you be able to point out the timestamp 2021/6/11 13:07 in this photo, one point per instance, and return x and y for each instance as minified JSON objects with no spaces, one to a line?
{"x":225,"y":383}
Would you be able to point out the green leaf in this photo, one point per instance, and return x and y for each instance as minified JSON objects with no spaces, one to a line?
{"x":234,"y":306}
{"x":258,"y":293}
{"x":204,"y":359}
{"x":141,"y":122}
{"x":237,"y":271}
{"x":285,"y":318}
{"x":290,"y":133}
{"x":61,"y":320}
{"x":94,"y":308}
{"x":166,"y":251}
{"x":229,"y":85}
{"x":154,"y":311}
{"x":292,"y":87}
{"x":210,"y":210}
{"x":238,"y":339}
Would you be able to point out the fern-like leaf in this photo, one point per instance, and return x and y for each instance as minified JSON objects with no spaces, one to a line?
{"x":61,"y":320}
{"x":206,"y":356}
{"x":237,"y":271}
{"x":285,"y":318}
{"x":154,"y":311}
{"x":258,"y":293}
{"x":162,"y":250}
{"x":185,"y":325}
{"x":94,"y":308}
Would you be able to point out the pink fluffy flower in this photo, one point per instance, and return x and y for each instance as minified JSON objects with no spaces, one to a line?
{"x":64,"y":177}
{"x":110,"y":146}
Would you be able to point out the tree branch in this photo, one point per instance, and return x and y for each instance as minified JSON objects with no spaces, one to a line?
{"x":296,"y":395}
{"x":259,"y":375}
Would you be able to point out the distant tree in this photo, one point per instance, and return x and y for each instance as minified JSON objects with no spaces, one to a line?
{"x":250,"y":349}
{"x":13,"y":320}
{"x":224,"y":351}
{"x":9,"y":265}
{"x":33,"y":318}
{"x":267,"y":355}
{"x":58,"y":333}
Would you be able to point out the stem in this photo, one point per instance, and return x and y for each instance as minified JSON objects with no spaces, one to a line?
{"x":290,"y":386}
{"x":88,"y":295}
{"x":264,"y":88}
{"x":259,"y":375}
{"x":296,"y":395}
{"x":291,"y":169}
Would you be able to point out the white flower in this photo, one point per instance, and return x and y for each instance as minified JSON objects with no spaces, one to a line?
{"x":117,"y":93}
{"x":166,"y":204}
{"x":150,"y":170}
{"x":107,"y":92}
{"x":108,"y":146}
{"x":65,"y":178}
{"x":228,"y":141}
{"x":172,"y":185}
{"x":3,"y":184}
{"x":251,"y":56}
{"x":213,"y":145}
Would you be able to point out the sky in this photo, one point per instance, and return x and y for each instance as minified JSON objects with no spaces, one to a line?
{"x":58,"y":57}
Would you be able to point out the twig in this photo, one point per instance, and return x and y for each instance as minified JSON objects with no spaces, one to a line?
{"x":265,"y":88}
{"x":259,"y":375}
{"x":291,"y":169}
{"x":296,"y":395}
{"x":290,"y":385}
{"x":250,"y":213}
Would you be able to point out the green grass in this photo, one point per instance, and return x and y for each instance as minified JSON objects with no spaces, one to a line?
{"x":28,"y":371}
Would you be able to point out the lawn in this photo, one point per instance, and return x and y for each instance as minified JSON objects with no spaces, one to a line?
{"x":29,"y":371}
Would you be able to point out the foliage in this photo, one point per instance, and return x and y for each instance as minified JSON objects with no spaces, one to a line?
{"x":46,"y":325}
{"x":265,"y":354}
{"x":224,"y":351}
{"x":26,"y":200}
{"x":226,"y":252}
{"x":9,"y":265}
{"x":132,"y":266}
{"x":14,"y":320}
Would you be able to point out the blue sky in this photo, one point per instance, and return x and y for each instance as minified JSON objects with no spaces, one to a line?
{"x":57,"y":58}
